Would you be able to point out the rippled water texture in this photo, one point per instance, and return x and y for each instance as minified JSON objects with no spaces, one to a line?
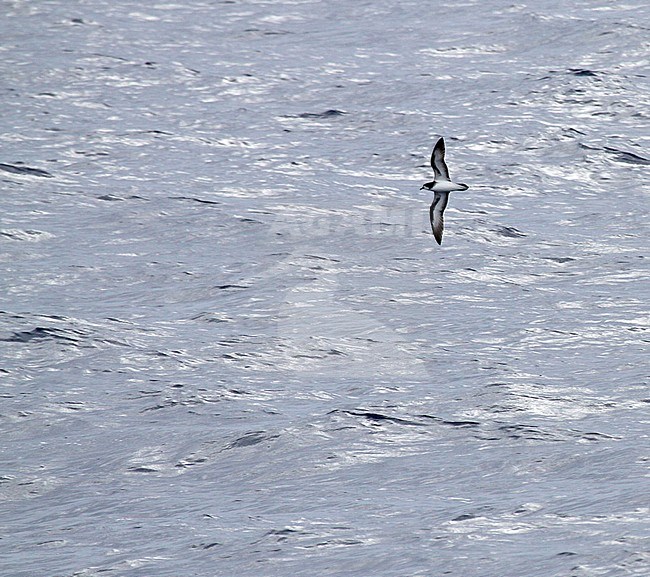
{"x":231,"y":345}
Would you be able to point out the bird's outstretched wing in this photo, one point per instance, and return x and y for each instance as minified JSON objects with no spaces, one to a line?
{"x":438,"y":160}
{"x":436,"y":212}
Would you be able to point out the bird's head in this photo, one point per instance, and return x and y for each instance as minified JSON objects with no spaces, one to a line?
{"x":427,"y":186}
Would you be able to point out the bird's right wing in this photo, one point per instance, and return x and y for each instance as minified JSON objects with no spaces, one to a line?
{"x":436,"y":212}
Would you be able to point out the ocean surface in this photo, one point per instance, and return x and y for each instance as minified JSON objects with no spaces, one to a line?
{"x":229,"y":343}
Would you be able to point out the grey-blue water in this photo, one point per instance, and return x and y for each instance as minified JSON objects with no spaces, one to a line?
{"x":230,"y":344}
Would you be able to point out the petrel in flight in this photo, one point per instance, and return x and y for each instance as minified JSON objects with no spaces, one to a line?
{"x":441,"y":186}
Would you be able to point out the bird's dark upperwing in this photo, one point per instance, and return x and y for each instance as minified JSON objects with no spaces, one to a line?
{"x":436,"y":212}
{"x":438,"y":161}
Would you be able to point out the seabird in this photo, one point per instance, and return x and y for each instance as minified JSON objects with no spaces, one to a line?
{"x":441,"y":186}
